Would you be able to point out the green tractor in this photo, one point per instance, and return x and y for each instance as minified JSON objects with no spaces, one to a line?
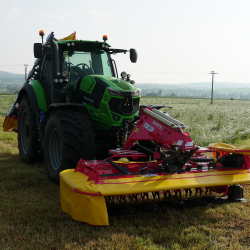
{"x":73,"y":105}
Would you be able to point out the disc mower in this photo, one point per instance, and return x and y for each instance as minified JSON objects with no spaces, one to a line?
{"x":100,"y":144}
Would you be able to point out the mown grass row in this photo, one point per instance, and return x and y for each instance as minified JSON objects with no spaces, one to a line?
{"x":31,"y":218}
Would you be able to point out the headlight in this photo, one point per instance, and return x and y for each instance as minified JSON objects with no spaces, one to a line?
{"x":123,"y":74}
{"x":65,"y":73}
{"x":137,"y":92}
{"x":114,"y":92}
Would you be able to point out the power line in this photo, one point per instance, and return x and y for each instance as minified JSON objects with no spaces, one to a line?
{"x":234,"y":73}
{"x":179,"y":73}
{"x":151,"y":72}
{"x":12,"y":65}
{"x":167,"y":72}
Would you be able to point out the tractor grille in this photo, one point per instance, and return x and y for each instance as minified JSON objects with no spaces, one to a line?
{"x":126,"y":106}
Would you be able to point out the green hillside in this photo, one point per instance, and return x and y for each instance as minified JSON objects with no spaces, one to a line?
{"x":10,"y":83}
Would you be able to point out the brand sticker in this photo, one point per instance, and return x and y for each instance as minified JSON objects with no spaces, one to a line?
{"x":158,"y":125}
{"x":86,"y":98}
{"x":189,"y":144}
{"x":179,"y":143}
{"x":148,"y":127}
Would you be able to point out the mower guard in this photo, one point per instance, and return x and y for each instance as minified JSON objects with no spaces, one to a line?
{"x":84,"y":200}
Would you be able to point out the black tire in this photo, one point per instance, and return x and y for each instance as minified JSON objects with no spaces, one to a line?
{"x":69,"y":136}
{"x":27,"y":132}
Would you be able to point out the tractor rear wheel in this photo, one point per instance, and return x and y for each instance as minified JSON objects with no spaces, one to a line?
{"x":27,"y":132}
{"x":69,"y":136}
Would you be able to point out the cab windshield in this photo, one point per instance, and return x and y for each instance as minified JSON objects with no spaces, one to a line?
{"x":81,"y":63}
{"x":78,"y":64}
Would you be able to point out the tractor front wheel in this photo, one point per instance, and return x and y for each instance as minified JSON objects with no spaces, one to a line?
{"x":27,"y":132}
{"x":69,"y":136}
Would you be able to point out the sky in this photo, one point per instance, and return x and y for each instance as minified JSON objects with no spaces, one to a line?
{"x":178,"y":41}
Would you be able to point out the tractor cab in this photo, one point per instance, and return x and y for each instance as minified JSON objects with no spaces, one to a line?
{"x":76,"y":64}
{"x":66,"y":62}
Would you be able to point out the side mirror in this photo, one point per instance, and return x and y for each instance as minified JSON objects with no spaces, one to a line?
{"x":38,"y":50}
{"x":133,"y":55}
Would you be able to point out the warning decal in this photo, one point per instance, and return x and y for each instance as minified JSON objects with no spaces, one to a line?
{"x":148,"y":127}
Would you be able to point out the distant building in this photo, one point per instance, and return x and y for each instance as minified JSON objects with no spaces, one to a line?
{"x":151,"y":94}
{"x":160,"y":93}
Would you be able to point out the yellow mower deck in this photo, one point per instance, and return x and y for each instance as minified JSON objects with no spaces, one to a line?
{"x":84,"y":200}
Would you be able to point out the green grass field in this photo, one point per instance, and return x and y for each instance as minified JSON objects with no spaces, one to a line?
{"x":31,"y":218}
{"x":224,"y":121}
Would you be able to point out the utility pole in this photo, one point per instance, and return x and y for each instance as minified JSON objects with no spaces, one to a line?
{"x":25,"y":65}
{"x":212,"y":92}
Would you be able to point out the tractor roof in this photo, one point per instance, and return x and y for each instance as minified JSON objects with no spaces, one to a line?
{"x":84,"y":42}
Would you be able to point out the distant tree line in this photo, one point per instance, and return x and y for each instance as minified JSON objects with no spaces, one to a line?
{"x":196,"y":93}
{"x":18,"y":80}
{"x":13,"y":88}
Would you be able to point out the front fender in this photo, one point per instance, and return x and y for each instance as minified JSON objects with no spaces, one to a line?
{"x":36,"y":95}
{"x":64,"y":106}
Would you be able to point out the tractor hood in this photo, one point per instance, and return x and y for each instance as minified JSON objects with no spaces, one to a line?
{"x":109,"y":100}
{"x":114,"y":86}
{"x":117,"y":83}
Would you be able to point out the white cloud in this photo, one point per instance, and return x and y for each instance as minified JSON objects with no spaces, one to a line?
{"x":60,"y":16}
{"x":98,"y":16}
{"x":73,"y":16}
{"x":13,"y":15}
